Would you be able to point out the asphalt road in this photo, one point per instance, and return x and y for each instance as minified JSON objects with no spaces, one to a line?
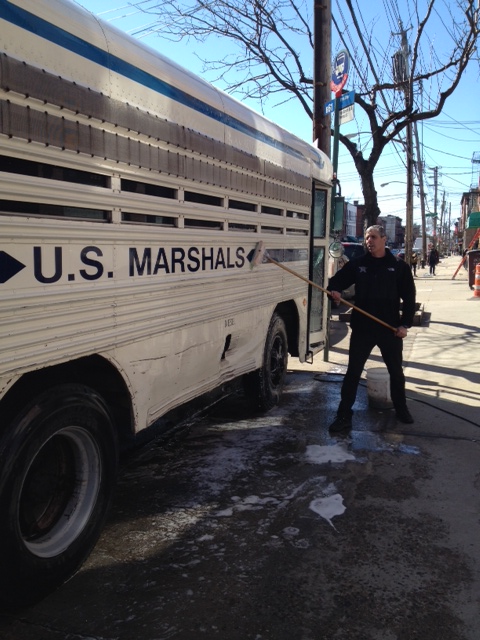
{"x":244,"y":527}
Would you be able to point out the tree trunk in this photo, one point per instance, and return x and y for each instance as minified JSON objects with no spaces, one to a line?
{"x":372,"y":210}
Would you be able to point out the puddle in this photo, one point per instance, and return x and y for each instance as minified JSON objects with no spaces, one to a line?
{"x":321,"y":454}
{"x":328,"y":507}
{"x":368,"y":441}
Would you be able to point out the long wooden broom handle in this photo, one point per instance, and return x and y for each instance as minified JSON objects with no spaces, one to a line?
{"x":317,"y":286}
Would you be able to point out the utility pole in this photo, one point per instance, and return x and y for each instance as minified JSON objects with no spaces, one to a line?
{"x":401,"y":74}
{"x":443,"y":215}
{"x":449,"y":246}
{"x":419,"y":166}
{"x":435,"y":199}
{"x":322,"y":35}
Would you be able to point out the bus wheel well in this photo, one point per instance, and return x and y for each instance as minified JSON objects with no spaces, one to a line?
{"x":289,"y":314}
{"x":94,"y":372}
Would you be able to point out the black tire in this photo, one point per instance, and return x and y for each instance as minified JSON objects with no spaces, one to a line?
{"x":264,"y":387}
{"x":59,"y":465}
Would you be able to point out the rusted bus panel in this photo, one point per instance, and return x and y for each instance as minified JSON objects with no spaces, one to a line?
{"x":97,"y":142}
{"x":190,"y":168}
{"x":222,"y":176}
{"x":132,"y":118}
{"x":156,"y":128}
{"x":206,"y":172}
{"x":123,"y":149}
{"x":284,"y":174}
{"x":27,"y":80}
{"x":195,"y":141}
{"x":296,"y":197}
{"x":84,"y":141}
{"x":39,"y":126}
{"x":110,"y":145}
{"x":35,"y":123}
{"x":162,"y":160}
{"x":134,"y":152}
{"x":69,"y":135}
{"x":13,"y":120}
{"x":176,"y":163}
{"x":219,"y":150}
{"x":145,"y":155}
{"x":241,"y":159}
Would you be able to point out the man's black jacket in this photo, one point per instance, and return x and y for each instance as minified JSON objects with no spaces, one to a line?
{"x":380,"y":285}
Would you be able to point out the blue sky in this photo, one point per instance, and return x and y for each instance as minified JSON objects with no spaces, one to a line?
{"x":449,"y":141}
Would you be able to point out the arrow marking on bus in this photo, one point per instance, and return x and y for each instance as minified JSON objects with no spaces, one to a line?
{"x":9,"y":267}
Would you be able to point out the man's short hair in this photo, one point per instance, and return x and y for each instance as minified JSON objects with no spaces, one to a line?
{"x":377,"y":227}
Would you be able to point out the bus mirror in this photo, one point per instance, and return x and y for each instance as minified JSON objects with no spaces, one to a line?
{"x":337,"y":222}
{"x":336,"y":250}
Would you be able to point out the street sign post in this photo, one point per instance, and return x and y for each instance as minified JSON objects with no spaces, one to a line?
{"x":339,"y":78}
{"x":346,"y":100}
{"x":346,"y":107}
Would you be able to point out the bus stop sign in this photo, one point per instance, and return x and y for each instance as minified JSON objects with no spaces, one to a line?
{"x":340,"y":72}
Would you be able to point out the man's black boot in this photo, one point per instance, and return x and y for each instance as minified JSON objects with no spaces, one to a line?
{"x":404,"y":415}
{"x":342,"y":422}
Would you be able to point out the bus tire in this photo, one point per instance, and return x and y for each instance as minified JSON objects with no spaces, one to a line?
{"x":264,"y":387}
{"x":59,"y":465}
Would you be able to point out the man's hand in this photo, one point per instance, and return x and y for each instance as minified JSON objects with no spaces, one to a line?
{"x":401,"y":332}
{"x":336,"y":296}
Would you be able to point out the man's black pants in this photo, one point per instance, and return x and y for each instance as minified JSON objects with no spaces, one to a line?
{"x":361,"y":345}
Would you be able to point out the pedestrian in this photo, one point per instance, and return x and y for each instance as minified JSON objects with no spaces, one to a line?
{"x":413,"y":262}
{"x":433,"y":259}
{"x":381,"y":282}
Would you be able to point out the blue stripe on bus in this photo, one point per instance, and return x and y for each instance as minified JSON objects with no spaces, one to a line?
{"x":30,"y":22}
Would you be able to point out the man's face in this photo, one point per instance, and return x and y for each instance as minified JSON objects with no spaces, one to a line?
{"x":375,"y":243}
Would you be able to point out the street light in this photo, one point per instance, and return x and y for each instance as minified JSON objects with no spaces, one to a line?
{"x":350,"y":136}
{"x":384,"y":184}
{"x":391,"y":182}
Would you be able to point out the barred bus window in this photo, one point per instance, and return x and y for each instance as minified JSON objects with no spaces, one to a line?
{"x":235,"y":226}
{"x":242,"y":205}
{"x":52,"y":172}
{"x":142,"y":218}
{"x":274,"y":211}
{"x":148,"y":189}
{"x":203,"y":224}
{"x":297,"y":215}
{"x":272,"y":229}
{"x":297,"y":232}
{"x":53,"y":210}
{"x":203,"y":198}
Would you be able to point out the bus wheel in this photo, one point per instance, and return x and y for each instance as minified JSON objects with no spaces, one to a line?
{"x":59,"y":463}
{"x":264,"y":386}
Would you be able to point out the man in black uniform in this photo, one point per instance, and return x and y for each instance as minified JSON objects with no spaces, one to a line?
{"x":381,"y":282}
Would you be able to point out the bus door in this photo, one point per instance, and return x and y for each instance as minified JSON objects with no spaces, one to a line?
{"x":318,"y":265}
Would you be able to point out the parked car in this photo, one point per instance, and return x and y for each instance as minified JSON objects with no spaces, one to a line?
{"x":353,"y":249}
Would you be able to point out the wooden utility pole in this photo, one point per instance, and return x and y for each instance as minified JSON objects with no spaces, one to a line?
{"x":402,"y":74}
{"x":322,"y":129}
{"x":422,"y":190}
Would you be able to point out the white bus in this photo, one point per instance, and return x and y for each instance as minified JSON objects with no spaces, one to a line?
{"x":132,"y":194}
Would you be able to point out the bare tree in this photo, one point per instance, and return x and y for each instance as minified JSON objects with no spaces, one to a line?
{"x":270,"y":55}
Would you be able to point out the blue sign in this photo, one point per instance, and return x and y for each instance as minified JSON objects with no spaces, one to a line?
{"x":340,"y":67}
{"x":346,"y":100}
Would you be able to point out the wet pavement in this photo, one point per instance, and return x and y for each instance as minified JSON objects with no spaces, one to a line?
{"x":247,"y":527}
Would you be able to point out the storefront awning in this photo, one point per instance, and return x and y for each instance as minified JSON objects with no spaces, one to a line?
{"x":474,"y":220}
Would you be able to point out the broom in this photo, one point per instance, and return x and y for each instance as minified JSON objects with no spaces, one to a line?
{"x":260,"y":254}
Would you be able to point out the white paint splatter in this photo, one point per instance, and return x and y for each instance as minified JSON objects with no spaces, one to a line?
{"x":328,"y":507}
{"x":337,"y":453}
